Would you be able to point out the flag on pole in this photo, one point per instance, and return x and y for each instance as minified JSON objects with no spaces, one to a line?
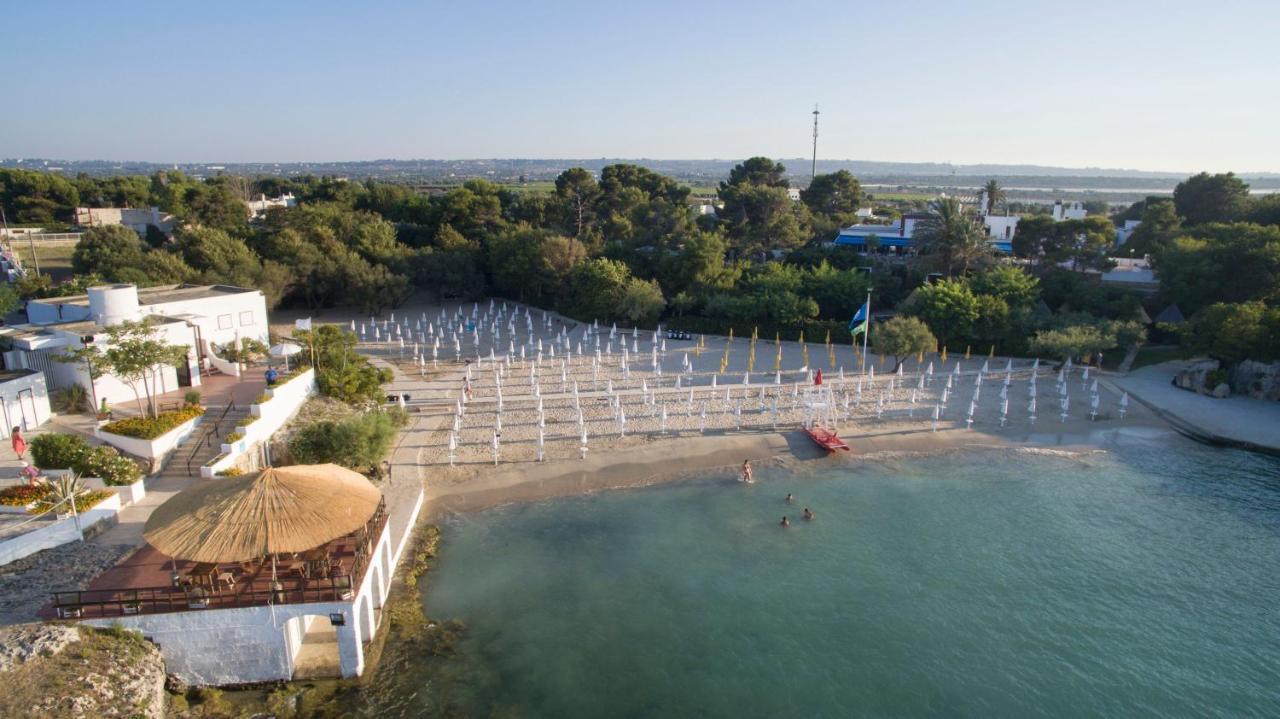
{"x":861,"y":318}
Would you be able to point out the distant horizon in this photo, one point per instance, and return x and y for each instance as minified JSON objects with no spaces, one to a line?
{"x":1011,"y":168}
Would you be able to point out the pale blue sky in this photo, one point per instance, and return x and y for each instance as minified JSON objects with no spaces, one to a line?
{"x":1150,"y":85}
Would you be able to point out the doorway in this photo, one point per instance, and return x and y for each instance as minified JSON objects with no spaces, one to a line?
{"x":27,"y":405}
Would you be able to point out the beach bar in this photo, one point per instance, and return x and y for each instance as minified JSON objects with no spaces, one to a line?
{"x":276,"y":576}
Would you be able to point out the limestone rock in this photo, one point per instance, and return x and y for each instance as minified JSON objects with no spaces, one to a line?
{"x":1222,"y":391}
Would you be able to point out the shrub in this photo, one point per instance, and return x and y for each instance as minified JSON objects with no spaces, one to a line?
{"x":152,"y":427}
{"x":20,"y":495}
{"x":71,"y":400}
{"x":230,"y":472}
{"x":1215,"y":377}
{"x":57,"y":450}
{"x":234,"y":437}
{"x":109,"y":465}
{"x":359,"y":442}
{"x":192,"y":398}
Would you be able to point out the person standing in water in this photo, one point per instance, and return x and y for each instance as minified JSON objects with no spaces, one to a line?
{"x":746,"y":471}
{"x":808,"y":514}
{"x":790,"y":499}
{"x":785,"y":522}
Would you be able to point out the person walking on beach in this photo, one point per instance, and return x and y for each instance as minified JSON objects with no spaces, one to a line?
{"x":466,"y":389}
{"x":18,"y":442}
{"x":817,"y":378}
{"x":746,"y":471}
{"x":785,"y":522}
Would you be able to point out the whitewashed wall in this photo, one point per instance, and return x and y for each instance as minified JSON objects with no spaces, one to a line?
{"x":57,"y":533}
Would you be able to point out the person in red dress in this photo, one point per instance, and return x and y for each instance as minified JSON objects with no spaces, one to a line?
{"x":817,"y":378}
{"x":18,"y":442}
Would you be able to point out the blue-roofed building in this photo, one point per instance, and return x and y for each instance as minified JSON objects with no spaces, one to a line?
{"x":896,"y":238}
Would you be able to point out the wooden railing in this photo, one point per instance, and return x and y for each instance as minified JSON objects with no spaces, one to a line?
{"x":255,"y":592}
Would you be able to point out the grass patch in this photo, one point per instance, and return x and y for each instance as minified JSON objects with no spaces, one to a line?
{"x":45,"y":686}
{"x":54,"y":258}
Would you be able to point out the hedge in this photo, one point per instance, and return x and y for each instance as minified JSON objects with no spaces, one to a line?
{"x":152,"y":427}
{"x":57,"y":450}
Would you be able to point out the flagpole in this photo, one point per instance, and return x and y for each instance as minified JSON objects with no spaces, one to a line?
{"x":866,"y":333}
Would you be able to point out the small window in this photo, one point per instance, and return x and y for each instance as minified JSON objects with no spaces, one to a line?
{"x":224,"y":322}
{"x":246,"y":319}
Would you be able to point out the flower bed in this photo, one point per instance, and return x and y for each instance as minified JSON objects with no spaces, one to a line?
{"x":84,"y":502}
{"x":152,"y":427}
{"x":22,"y":495}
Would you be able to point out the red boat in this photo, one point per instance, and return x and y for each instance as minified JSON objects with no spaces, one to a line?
{"x":826,"y":438}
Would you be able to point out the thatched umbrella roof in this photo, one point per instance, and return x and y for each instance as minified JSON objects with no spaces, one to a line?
{"x":283,"y":509}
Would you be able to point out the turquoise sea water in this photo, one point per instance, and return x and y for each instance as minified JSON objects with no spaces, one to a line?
{"x":1139,"y":581}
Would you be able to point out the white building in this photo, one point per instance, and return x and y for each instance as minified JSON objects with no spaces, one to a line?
{"x":793,"y":193}
{"x":195,"y":316}
{"x":259,"y":206}
{"x":1123,"y":233}
{"x":135,"y":218}
{"x":24,"y":400}
{"x":1063,"y":211}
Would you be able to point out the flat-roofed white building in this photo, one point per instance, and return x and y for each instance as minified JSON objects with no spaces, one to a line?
{"x":135,"y":218}
{"x":195,"y":316}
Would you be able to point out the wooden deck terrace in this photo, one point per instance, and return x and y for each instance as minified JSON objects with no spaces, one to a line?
{"x":148,"y":582}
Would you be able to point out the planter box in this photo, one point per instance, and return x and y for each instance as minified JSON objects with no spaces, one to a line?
{"x":128,"y":493}
{"x":151,"y":449}
{"x":6,"y":509}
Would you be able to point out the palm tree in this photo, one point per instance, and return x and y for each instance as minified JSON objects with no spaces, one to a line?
{"x":951,"y":235}
{"x":995,"y":194}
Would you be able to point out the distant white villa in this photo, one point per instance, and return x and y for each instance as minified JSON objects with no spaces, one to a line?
{"x":896,"y":238}
{"x":197,"y":316}
{"x":135,"y":218}
{"x":262,"y":203}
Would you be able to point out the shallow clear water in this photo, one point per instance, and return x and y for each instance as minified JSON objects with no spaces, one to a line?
{"x":1143,"y":581}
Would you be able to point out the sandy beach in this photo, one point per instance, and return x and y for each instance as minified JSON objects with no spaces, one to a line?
{"x":663,"y":410}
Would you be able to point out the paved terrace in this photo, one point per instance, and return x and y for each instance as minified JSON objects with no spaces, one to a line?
{"x":1239,"y":421}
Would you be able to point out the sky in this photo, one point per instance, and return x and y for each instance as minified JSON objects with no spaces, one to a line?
{"x":1173,"y":86}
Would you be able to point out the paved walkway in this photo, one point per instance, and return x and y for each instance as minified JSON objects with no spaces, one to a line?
{"x":1239,"y":421}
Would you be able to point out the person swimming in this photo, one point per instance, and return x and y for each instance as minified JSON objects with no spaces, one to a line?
{"x":790,"y":499}
{"x":808,"y":514}
{"x":746,"y":471}
{"x":786,"y":522}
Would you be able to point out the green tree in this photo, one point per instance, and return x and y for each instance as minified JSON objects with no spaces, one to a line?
{"x":838,"y":194}
{"x":133,"y":353}
{"x":578,"y":190}
{"x":108,"y":251}
{"x":1235,"y":332}
{"x":596,"y":289}
{"x":9,"y":300}
{"x":1071,"y":342}
{"x":948,"y":307}
{"x":341,"y":372}
{"x":1264,"y":210}
{"x":758,"y":172}
{"x":951,"y":236}
{"x":995,"y":195}
{"x":1206,"y":198}
{"x":902,"y":337}
{"x":1221,"y":263}
{"x":359,"y":442}
{"x":1011,"y":284}
{"x":641,"y":302}
{"x":1160,"y":224}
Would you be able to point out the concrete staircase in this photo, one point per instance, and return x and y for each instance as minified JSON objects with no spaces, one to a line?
{"x":206,"y":443}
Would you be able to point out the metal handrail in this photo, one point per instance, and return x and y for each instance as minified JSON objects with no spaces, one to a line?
{"x":210,"y":433}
